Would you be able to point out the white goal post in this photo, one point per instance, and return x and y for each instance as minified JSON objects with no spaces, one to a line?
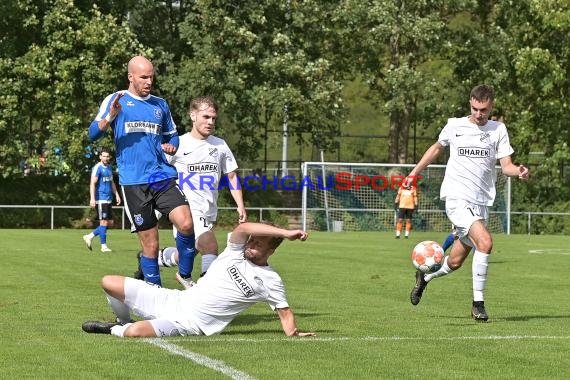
{"x":345,"y":196}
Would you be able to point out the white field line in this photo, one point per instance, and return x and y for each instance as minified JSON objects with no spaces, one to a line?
{"x":374,"y":338}
{"x":550,"y":251}
{"x":216,"y":365}
{"x":220,"y":366}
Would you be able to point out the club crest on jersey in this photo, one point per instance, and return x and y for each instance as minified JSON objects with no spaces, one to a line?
{"x":474,"y":152}
{"x":138,"y":219}
{"x":240,"y":281}
{"x":484,"y":136}
{"x":158,"y":113}
{"x":213,"y":152}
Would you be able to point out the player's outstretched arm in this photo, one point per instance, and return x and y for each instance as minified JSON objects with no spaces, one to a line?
{"x":242,"y":232}
{"x":512,"y":170}
{"x":288,"y":323}
{"x":237,"y":195}
{"x":429,"y":156}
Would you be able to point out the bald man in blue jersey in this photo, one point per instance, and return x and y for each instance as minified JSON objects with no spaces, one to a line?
{"x":143,"y":131}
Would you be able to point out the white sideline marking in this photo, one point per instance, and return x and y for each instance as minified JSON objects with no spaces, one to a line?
{"x":220,"y":366}
{"x":550,"y":251}
{"x":378,"y":338}
{"x":216,"y":365}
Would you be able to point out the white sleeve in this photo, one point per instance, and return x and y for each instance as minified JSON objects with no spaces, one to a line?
{"x":444,"y":135}
{"x":504,"y":147}
{"x":228,"y":162}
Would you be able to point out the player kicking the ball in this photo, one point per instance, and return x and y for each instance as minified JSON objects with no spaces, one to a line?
{"x":468,"y":189}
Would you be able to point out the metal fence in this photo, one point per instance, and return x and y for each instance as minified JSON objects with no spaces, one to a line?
{"x":528,"y":222}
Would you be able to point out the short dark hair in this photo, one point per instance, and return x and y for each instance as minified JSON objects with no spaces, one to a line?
{"x":105,"y":150}
{"x":483,"y":93}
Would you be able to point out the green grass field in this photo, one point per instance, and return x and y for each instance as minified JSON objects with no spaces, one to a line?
{"x":351,"y":288}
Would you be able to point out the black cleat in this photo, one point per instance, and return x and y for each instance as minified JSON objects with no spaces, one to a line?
{"x":478,"y":311}
{"x":139,"y":273}
{"x":418,"y":290}
{"x":96,"y":327}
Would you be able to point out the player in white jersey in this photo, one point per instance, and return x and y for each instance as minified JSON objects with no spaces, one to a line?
{"x":201,"y":161}
{"x":468,"y":188}
{"x":238,"y":279}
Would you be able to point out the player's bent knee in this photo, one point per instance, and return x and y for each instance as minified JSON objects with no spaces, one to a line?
{"x":140,"y":329}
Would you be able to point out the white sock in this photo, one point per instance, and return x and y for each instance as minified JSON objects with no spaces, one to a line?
{"x":167,"y":257}
{"x":479,"y":270}
{"x":91,"y":235}
{"x":119,"y":330}
{"x":443,"y":271}
{"x":120,"y":309}
{"x":207,"y":260}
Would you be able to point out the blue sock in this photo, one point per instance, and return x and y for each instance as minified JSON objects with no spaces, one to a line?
{"x":150,"y":270}
{"x":448,"y":242}
{"x":186,"y":253}
{"x":97,"y":231}
{"x":103,"y":234}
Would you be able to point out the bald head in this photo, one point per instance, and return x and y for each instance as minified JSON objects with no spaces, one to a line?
{"x":139,"y":62}
{"x":140,"y":74}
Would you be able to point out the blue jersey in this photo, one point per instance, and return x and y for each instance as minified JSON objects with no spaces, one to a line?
{"x":142,"y":125}
{"x":104,"y":187}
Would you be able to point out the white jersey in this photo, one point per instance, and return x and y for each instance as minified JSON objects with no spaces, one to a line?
{"x":470,"y":174}
{"x":200,"y":165}
{"x":231,"y":285}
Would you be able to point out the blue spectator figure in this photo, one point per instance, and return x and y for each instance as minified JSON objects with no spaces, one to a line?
{"x":101,"y":190}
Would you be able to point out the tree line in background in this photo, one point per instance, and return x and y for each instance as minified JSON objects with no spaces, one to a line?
{"x":287,"y":61}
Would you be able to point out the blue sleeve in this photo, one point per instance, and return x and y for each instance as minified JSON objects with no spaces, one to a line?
{"x":172,"y":140}
{"x":94,"y":132}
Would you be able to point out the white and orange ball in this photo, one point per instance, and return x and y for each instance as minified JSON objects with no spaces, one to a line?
{"x":428,"y":256}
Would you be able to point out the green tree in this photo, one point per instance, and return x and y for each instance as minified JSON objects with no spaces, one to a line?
{"x":265,"y":63}
{"x":536,"y":101}
{"x":522,"y":49}
{"x":397,"y":45}
{"x":52,"y":90}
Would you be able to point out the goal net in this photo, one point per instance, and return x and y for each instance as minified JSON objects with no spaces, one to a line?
{"x":339,"y":196}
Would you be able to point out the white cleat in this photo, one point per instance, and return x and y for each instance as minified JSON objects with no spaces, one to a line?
{"x":187,"y":283}
{"x":87,"y":241}
{"x":106,"y":249}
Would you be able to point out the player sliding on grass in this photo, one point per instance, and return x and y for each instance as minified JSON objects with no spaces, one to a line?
{"x":239,"y":278}
{"x":468,"y":189}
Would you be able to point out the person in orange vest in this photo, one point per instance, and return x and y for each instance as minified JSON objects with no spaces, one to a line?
{"x":406,"y":202}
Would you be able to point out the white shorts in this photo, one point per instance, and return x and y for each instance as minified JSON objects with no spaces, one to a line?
{"x":202,"y":223}
{"x":162,"y":307}
{"x":463,"y":214}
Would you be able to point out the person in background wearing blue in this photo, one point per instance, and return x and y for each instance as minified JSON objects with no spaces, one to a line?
{"x":101,"y":190}
{"x":448,"y":242}
{"x":143,"y":131}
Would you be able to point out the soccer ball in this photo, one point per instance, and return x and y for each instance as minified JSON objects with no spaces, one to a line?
{"x":428,"y":256}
